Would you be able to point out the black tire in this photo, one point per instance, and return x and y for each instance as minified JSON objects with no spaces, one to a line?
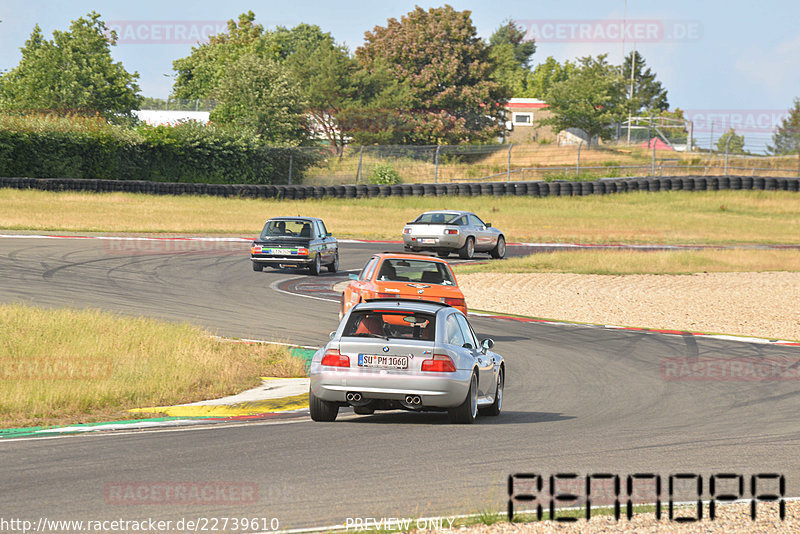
{"x":316,"y":265}
{"x":322,"y":410}
{"x":333,"y":267}
{"x":258,"y":267}
{"x":497,"y":405}
{"x":443,"y":253}
{"x":468,"y":250}
{"x":466,"y":412}
{"x":499,"y":250}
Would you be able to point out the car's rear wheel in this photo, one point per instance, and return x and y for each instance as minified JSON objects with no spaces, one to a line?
{"x":467,"y":411}
{"x":468,"y":250}
{"x":316,"y":265}
{"x":497,"y":405}
{"x":499,"y":250}
{"x":258,"y":267}
{"x":322,"y":410}
{"x":443,"y":253}
{"x":333,"y":267}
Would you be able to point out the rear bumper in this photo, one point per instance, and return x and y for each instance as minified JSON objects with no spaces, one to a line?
{"x":436,"y":390}
{"x":438,"y":241}
{"x":283,"y":260}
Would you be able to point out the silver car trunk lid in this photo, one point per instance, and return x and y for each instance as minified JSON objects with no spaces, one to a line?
{"x":379,"y":354}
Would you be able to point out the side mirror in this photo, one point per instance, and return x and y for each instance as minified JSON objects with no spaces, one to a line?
{"x":487,"y":344}
{"x":353,"y":276}
{"x":488,"y":225}
{"x":328,"y":234}
{"x":332,"y":334}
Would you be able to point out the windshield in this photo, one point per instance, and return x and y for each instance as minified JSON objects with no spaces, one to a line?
{"x":287,"y":228}
{"x":420,"y":271}
{"x":391,"y":324}
{"x":436,"y":218}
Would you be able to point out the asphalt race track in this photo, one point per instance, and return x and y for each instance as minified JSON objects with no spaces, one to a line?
{"x":578,"y":400}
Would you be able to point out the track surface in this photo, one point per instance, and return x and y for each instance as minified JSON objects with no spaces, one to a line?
{"x":577,"y":400}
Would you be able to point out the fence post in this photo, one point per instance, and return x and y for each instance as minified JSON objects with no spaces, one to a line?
{"x":291,"y":160}
{"x":578,"y":164}
{"x":436,"y":164}
{"x":653,"y":162}
{"x":726,"y":154}
{"x":360,"y":156}
{"x":508,"y":170}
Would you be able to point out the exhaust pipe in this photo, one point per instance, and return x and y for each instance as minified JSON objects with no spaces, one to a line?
{"x":353,"y":396}
{"x":413,"y":399}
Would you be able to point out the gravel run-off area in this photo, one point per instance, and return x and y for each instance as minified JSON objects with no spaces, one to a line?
{"x":731,"y":518}
{"x":763,"y":305}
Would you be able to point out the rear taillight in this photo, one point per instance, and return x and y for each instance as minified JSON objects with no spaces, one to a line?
{"x":451,"y":232}
{"x":406,"y":230}
{"x":334,"y":358}
{"x":302,"y":251}
{"x":452,"y":301}
{"x":440,"y":363}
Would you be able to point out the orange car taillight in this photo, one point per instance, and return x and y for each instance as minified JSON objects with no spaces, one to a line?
{"x":451,"y":232}
{"x":334,"y":358}
{"x":452,"y":301}
{"x":440,"y":363}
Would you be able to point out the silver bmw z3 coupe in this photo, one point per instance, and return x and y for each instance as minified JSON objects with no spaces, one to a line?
{"x":406,"y":355}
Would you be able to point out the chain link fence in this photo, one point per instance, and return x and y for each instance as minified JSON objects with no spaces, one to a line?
{"x":524,"y":162}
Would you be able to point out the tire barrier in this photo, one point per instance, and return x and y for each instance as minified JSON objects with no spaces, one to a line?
{"x":299,"y":192}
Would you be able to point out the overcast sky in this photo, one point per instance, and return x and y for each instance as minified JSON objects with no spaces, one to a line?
{"x":730,"y":62}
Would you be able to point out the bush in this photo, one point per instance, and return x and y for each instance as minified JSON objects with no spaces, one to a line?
{"x":47,"y":146}
{"x":384,"y":174}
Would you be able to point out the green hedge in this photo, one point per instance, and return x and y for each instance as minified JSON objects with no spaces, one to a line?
{"x":45,"y":146}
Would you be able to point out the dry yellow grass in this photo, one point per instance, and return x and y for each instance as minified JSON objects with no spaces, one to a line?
{"x":666,"y":217}
{"x":635,"y":262}
{"x":69,"y":366}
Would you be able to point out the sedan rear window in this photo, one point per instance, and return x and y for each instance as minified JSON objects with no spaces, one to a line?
{"x":420,"y":271}
{"x":391,"y":324}
{"x":287,"y":228}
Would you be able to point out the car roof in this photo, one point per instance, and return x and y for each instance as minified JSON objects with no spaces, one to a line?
{"x":298,"y":218}
{"x":408,"y":256}
{"x":459,"y":212}
{"x":411,"y":305}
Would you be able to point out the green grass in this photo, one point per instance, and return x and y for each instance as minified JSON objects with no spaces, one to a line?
{"x":678,"y":217}
{"x":620,"y":262}
{"x":69,"y":366}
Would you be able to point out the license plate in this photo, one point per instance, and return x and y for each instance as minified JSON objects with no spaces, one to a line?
{"x":281,"y":251}
{"x":384,"y":362}
{"x":428,"y":241}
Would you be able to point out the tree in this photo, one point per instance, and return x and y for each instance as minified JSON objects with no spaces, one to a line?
{"x":589,"y":99}
{"x":72,"y":73}
{"x":648,"y":94}
{"x":787,"y":137}
{"x":260,"y":96}
{"x":734,"y":144}
{"x":198,"y":74}
{"x":445,"y":67}
{"x":511,"y":56}
{"x":545,"y":75}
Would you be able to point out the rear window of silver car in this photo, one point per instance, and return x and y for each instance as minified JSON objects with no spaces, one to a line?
{"x":392,"y":324}
{"x":436,"y":218}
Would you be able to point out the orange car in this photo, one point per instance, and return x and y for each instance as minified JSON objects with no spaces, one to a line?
{"x":392,"y":275}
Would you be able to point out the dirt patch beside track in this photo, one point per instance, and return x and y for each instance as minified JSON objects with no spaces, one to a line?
{"x":746,"y":304}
